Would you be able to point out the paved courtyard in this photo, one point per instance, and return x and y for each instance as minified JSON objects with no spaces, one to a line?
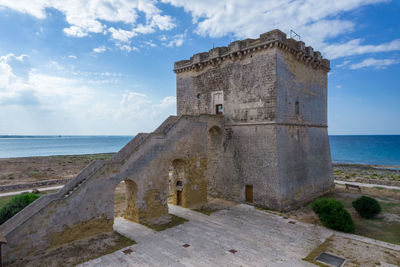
{"x":260,"y":239}
{"x":256,"y":238}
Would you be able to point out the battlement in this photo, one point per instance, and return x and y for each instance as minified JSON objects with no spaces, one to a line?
{"x":238,"y":49}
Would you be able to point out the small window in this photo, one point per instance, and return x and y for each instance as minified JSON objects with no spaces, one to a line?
{"x":297,"y":108}
{"x":198,"y":96}
{"x":179,"y":183}
{"x":218,"y":109}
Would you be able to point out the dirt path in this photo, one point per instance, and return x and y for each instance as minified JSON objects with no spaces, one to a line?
{"x":368,"y":185}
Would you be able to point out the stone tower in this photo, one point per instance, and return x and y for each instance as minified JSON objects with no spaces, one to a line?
{"x":273,"y":148}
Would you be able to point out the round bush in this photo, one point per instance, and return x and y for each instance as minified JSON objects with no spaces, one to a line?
{"x":15,"y":205}
{"x":367,"y":207}
{"x":333,"y":214}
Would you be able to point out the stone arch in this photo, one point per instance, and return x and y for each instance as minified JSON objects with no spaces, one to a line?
{"x":214,"y":155}
{"x":176,"y":181}
{"x":132,"y":210}
{"x":187,"y":183}
{"x":125,"y":200}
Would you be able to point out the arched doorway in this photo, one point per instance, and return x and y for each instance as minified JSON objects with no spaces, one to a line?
{"x":187,"y":183}
{"x":176,"y":179}
{"x":125,"y":200}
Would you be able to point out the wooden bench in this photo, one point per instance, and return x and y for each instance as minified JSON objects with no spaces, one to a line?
{"x":349,"y":186}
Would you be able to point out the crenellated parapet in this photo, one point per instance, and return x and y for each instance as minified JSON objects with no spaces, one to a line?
{"x":238,"y":49}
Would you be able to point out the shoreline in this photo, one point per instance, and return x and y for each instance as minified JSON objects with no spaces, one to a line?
{"x":41,"y":169}
{"x":334,"y":164}
{"x":367,"y":166}
{"x":62,"y":155}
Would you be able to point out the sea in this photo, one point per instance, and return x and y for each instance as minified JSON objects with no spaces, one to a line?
{"x":351,"y":149}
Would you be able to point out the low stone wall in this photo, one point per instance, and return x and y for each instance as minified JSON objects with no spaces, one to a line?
{"x":15,"y":187}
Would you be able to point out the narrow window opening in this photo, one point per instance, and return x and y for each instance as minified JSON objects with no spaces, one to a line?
{"x":198,"y":96}
{"x":179,"y":183}
{"x":297,"y":108}
{"x":218,"y":109}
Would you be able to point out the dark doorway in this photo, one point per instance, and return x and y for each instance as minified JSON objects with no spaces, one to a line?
{"x":218,"y":109}
{"x":179,"y":198}
{"x":249,"y":193}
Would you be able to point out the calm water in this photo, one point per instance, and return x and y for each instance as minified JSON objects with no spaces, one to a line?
{"x":364,"y":149}
{"x":25,"y":146}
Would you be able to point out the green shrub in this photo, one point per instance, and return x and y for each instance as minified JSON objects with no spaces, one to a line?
{"x":367,"y":207}
{"x":15,"y":205}
{"x":333,"y":214}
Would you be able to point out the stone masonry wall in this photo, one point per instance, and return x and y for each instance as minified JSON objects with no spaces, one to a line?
{"x":274,"y":109}
{"x":247,"y":85}
{"x":304,"y":159}
{"x":89,"y":209}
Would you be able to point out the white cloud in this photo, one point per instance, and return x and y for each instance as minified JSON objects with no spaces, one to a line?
{"x":248,"y":18}
{"x":345,"y":63}
{"x":92,"y":16}
{"x":73,"y":56}
{"x":55,"y":65}
{"x":354,"y":47}
{"x":128,"y":48}
{"x":176,"y":40}
{"x":376,"y":63}
{"x":100,"y":49}
{"x":23,"y":86}
{"x":149,"y":43}
{"x":121,"y":35}
{"x":315,"y":21}
{"x":39,"y":103}
{"x":167,"y":102}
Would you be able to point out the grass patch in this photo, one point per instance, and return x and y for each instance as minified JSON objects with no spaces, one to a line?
{"x":83,"y":158}
{"x":206,"y":210}
{"x":175,"y":220}
{"x":4,"y":200}
{"x":379,"y":187}
{"x":377,"y":228}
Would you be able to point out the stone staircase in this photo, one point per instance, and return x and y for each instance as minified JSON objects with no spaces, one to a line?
{"x":89,"y":196}
{"x":83,"y":177}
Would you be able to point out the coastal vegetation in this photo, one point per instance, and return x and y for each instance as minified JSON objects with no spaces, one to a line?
{"x":333,"y":214}
{"x":15,"y":205}
{"x":385,"y":226}
{"x":35,"y":169}
{"x":367,"y":207}
{"x":367,"y":174}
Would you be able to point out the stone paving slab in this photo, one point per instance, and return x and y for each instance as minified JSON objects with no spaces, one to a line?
{"x":260,"y":239}
{"x":256,"y":237}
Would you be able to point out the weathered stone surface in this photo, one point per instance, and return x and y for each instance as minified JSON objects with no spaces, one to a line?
{"x":85,"y":206}
{"x":274,"y":97}
{"x":271,"y":139}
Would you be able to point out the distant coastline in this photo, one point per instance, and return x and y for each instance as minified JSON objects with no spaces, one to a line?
{"x":372,"y":151}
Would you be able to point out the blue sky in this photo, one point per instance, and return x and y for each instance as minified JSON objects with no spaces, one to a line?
{"x":104,"y":67}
